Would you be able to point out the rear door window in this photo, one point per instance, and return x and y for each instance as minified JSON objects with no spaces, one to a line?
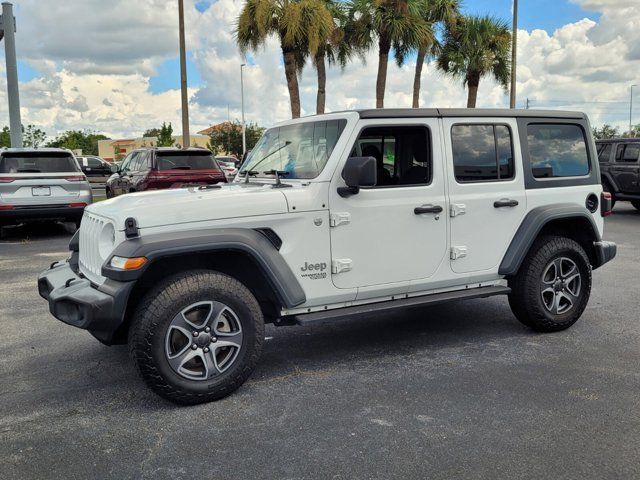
{"x":37,"y":162}
{"x":628,"y":152}
{"x":557,"y":150}
{"x":482,"y":152}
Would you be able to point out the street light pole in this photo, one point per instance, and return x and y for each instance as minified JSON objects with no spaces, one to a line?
{"x":514,"y":54}
{"x":8,"y":27}
{"x":186,"y":140}
{"x":631,"y":110}
{"x":244,"y":137}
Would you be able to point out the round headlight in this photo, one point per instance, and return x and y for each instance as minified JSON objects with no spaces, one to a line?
{"x":107,"y":240}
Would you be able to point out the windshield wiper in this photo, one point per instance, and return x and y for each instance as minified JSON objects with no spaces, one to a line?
{"x":246,"y":179}
{"x":248,"y":173}
{"x":278,"y":174}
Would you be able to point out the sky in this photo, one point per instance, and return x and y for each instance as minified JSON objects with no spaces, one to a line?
{"x":112,"y":67}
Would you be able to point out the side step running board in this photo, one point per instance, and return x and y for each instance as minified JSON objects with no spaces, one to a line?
{"x":433,"y":299}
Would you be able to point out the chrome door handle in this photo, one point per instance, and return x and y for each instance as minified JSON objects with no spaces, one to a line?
{"x":505,"y":202}
{"x":427,"y":209}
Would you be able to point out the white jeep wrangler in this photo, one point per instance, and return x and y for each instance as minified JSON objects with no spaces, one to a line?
{"x":340,"y":214}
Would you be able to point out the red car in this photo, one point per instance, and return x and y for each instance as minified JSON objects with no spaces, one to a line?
{"x":160,"y":168}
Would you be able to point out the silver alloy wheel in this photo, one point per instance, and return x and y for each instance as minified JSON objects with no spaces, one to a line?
{"x":560,"y":285}
{"x":203,"y":340}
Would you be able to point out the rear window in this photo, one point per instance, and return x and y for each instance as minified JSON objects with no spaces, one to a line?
{"x":40,"y":162}
{"x":186,"y":161}
{"x":557,"y":150}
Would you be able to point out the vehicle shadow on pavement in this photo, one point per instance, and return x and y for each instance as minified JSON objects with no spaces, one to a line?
{"x":96,"y":376}
{"x":37,"y":231}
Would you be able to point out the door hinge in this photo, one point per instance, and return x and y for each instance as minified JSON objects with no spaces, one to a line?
{"x":341,"y":218}
{"x":341,"y":265}
{"x":456,"y":209}
{"x":458,"y":252}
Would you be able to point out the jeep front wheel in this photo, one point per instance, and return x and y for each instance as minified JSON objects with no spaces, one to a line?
{"x":553,"y":285}
{"x":197,"y":336}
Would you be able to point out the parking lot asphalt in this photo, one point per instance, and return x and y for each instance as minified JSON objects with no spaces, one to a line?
{"x":453,"y":391}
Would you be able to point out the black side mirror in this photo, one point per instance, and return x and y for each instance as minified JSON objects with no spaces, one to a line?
{"x":358,"y":172}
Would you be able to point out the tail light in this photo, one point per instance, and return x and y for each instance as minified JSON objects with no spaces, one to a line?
{"x":75,"y":178}
{"x":78,"y":204}
{"x":6,"y":207}
{"x":605,"y":204}
{"x":6,"y":179}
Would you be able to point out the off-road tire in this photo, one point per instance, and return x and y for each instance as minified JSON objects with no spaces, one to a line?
{"x":525,"y":298}
{"x":154,"y":315}
{"x":636,"y":204}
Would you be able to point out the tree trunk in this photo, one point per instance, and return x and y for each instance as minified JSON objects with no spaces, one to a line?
{"x":473,"y":80}
{"x":292,"y":81}
{"x":422,"y":53}
{"x":322,"y":81}
{"x":383,"y":59}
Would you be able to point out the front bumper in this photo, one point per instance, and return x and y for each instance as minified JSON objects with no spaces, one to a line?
{"x":605,"y":251}
{"x":76,"y":301}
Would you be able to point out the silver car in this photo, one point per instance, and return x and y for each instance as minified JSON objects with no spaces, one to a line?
{"x":41,"y":184}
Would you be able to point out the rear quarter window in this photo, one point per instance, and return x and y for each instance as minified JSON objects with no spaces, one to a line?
{"x":557,"y":150}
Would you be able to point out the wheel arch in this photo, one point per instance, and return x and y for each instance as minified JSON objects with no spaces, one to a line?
{"x":568,"y":220}
{"x":244,"y":254}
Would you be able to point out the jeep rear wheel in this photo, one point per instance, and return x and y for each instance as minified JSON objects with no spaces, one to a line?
{"x":636,"y":204}
{"x":553,"y":285}
{"x":197,"y":336}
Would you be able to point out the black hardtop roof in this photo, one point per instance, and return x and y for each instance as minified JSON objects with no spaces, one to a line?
{"x":466,"y":112}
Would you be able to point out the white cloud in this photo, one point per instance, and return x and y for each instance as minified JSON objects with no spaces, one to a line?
{"x":96,"y":72}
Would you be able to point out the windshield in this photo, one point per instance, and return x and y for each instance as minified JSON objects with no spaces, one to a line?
{"x":186,"y":161}
{"x":40,"y":162}
{"x":300,"y":150}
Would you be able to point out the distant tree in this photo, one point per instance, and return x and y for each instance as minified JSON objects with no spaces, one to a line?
{"x":78,"y":140}
{"x":227,"y":138}
{"x":5,"y":137}
{"x":152,"y":132}
{"x":634,"y":133}
{"x":165,"y":136}
{"x":606,"y":131}
{"x":33,"y":136}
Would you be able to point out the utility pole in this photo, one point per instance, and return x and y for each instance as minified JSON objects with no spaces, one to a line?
{"x":631,"y":110}
{"x":514,"y":54}
{"x":186,"y":140}
{"x":244,"y":137}
{"x":8,"y":31}
{"x":527,"y":103}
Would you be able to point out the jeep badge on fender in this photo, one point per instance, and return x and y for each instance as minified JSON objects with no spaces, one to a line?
{"x":517,"y":193}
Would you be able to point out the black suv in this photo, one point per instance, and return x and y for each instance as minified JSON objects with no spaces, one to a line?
{"x":620,"y":168}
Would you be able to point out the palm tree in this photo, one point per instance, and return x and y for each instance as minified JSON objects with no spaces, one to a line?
{"x":474,"y":48}
{"x":337,"y":49}
{"x":432,"y":12}
{"x":300,"y":25}
{"x":395,"y":24}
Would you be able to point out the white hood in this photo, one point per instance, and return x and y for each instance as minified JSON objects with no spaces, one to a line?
{"x":166,"y":207}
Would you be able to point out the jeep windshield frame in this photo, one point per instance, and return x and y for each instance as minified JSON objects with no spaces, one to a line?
{"x":298,"y":151}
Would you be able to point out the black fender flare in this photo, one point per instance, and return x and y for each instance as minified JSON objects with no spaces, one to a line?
{"x":531,"y":226}
{"x":607,"y":177}
{"x":251,"y":242}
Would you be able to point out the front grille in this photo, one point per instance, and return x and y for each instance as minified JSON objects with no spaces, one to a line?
{"x":89,"y":254}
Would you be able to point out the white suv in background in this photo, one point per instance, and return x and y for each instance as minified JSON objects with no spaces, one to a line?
{"x":334,"y":215}
{"x":41,"y":184}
